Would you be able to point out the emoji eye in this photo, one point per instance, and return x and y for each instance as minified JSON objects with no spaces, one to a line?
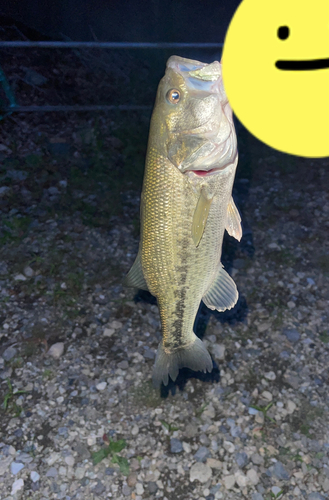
{"x":173,"y":96}
{"x":283,"y":32}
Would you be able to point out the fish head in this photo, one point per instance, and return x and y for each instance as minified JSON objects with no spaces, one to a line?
{"x":193,"y":117}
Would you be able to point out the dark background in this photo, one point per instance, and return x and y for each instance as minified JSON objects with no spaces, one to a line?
{"x":128,"y":20}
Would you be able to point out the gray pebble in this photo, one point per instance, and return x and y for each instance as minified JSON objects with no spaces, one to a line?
{"x":257,"y":496}
{"x":63,"y":431}
{"x":52,"y":472}
{"x":81,"y":450}
{"x":99,"y":488}
{"x":292,"y":335}
{"x":152,"y":487}
{"x":257,"y":459}
{"x":126,"y":490}
{"x":175,"y":445}
{"x":9,"y":353}
{"x":16,"y":467}
{"x":280,"y":472}
{"x":241,"y":459}
{"x":202,"y":454}
{"x":109,"y":471}
{"x":191,"y":430}
{"x":315,"y":496}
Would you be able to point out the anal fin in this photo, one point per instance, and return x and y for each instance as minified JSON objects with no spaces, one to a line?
{"x":233,"y":224}
{"x":135,"y":277}
{"x":223,"y":293}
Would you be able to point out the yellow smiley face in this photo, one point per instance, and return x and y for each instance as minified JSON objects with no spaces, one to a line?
{"x":276,"y":73}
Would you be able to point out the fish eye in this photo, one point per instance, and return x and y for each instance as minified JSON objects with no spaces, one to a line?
{"x":283,"y":32}
{"x":173,"y":96}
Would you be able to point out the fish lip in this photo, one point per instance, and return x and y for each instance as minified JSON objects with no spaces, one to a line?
{"x":302,"y":65}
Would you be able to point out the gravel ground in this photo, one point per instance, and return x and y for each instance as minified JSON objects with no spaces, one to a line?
{"x":79,"y":417}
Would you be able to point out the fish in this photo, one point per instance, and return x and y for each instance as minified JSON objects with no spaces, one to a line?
{"x":186,"y":205}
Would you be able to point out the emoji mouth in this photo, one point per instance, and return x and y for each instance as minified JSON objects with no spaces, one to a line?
{"x":303,"y":65}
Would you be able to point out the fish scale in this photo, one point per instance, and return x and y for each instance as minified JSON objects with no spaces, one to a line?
{"x":183,"y":218}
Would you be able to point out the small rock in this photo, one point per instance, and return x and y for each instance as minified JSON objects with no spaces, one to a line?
{"x":56,"y":350}
{"x":292,"y":380}
{"x":257,"y":459}
{"x":229,"y":446}
{"x":20,"y":277}
{"x":79,"y":472}
{"x":135,"y":430}
{"x":3,"y":191}
{"x":69,"y":460}
{"x":270,"y":376}
{"x":202,"y":454}
{"x":123,"y":364}
{"x":101,"y":386}
{"x":3,"y":266}
{"x":126,"y":491}
{"x":260,"y":418}
{"x":191,"y":430}
{"x":108,"y":332}
{"x":315,"y":496}
{"x":139,"y":489}
{"x":267,"y":395}
{"x":253,"y":476}
{"x":291,"y":304}
{"x":257,"y":496}
{"x":132,"y":479}
{"x":116,"y":325}
{"x":175,"y":445}
{"x":240,"y":479}
{"x":34,"y":476}
{"x":99,"y":488}
{"x":200,"y":472}
{"x":218,"y":351}
{"x":214,"y":463}
{"x":9,"y":353}
{"x":152,"y":487}
{"x":292,"y":335}
{"x":280,"y":471}
{"x":17,"y":486}
{"x":229,"y":482}
{"x":291,"y":406}
{"x":16,"y":467}
{"x":252,"y":411}
{"x":241,"y":459}
{"x":4,"y":465}
{"x":52,"y":472}
{"x":28,"y":271}
{"x":276,"y":490}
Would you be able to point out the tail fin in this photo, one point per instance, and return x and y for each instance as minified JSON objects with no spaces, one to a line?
{"x":195,"y":356}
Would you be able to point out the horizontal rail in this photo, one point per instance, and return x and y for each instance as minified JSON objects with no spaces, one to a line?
{"x":46,"y":109}
{"x":110,"y":45}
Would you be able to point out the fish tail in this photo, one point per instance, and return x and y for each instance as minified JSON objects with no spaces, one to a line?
{"x":194,"y":356}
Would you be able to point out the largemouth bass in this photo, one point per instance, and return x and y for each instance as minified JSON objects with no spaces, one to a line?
{"x":186,"y":205}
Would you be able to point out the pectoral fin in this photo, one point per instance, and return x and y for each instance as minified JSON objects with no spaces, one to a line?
{"x":200,"y":217}
{"x":222,"y":293}
{"x":233,"y":225}
{"x":135,"y":277}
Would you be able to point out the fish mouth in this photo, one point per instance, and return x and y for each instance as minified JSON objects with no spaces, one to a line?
{"x":306,"y":65}
{"x":203,"y":173}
